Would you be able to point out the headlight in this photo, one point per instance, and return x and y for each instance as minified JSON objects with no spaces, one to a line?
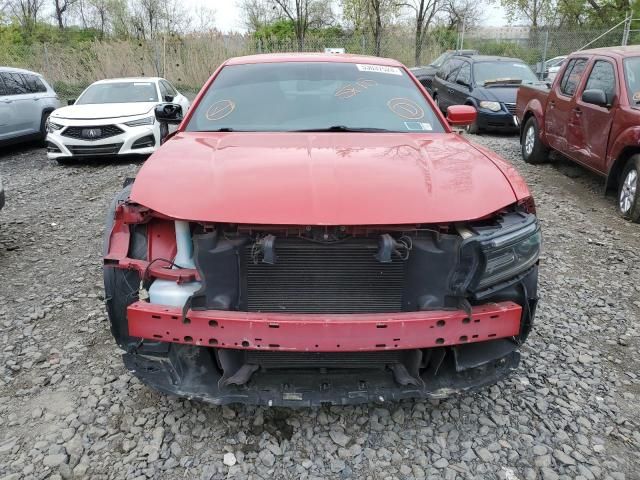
{"x":498,"y":254}
{"x":52,"y":127}
{"x":141,"y":121}
{"x":507,"y":256}
{"x":493,"y":106}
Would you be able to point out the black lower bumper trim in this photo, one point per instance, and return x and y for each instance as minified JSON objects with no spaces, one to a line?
{"x":190,"y":372}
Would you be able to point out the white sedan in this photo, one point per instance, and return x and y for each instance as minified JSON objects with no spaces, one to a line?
{"x":112,"y":117}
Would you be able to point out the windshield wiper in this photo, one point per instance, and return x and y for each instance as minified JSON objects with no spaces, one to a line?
{"x":343,"y":128}
{"x":502,"y":81}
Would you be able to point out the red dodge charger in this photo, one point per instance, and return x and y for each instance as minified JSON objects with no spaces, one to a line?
{"x":314,"y":232}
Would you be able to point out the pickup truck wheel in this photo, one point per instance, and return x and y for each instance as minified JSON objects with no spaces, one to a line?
{"x":121,"y":286}
{"x":533,"y":150}
{"x":629,"y":189}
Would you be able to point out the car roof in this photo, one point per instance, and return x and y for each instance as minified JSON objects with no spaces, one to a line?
{"x":488,"y":58}
{"x":18,"y":70}
{"x":129,"y":79}
{"x":628,"y":51}
{"x":313,"y":57}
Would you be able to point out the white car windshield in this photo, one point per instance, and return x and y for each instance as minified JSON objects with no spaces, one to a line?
{"x":119,"y":92}
{"x":314,"y":96}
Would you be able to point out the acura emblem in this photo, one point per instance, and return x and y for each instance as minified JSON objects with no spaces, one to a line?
{"x":91,"y":133}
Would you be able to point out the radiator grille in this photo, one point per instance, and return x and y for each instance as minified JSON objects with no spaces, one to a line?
{"x":105,"y":131}
{"x":511,"y":108}
{"x":317,"y":278}
{"x":95,"y":150}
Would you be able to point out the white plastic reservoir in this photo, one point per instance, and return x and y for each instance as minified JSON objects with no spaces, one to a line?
{"x":168,"y":292}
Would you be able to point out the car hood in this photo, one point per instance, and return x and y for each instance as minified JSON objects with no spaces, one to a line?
{"x":322,"y":179}
{"x":103,"y":110}
{"x":426,"y":71}
{"x":497,"y":93}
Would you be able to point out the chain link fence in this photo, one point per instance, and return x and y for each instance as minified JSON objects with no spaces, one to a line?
{"x":189,"y":61}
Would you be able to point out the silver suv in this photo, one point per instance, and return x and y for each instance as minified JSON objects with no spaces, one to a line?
{"x":26,"y":100}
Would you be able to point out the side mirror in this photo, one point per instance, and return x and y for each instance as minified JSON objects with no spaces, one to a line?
{"x":461,"y":115}
{"x":71,"y":101}
{"x":595,"y":96}
{"x":168,"y":98}
{"x":169,"y":113}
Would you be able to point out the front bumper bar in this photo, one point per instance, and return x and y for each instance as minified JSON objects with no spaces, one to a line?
{"x":324,"y":332}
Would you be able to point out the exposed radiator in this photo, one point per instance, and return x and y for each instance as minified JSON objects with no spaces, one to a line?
{"x":312,"y":277}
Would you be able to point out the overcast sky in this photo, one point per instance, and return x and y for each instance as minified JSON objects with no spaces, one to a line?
{"x":228,"y":15}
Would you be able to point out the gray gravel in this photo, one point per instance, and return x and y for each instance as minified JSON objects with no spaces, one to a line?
{"x":68,"y":409}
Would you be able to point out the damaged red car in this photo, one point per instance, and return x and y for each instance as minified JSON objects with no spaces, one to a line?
{"x":315,"y":233}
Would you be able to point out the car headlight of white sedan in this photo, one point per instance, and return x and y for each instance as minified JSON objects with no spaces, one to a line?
{"x":53,"y":127}
{"x":493,"y":106}
{"x":141,"y":121}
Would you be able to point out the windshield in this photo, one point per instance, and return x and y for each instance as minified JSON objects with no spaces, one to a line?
{"x":554,"y":62}
{"x":119,"y":92}
{"x":632,"y":76}
{"x":489,"y":72}
{"x":312,"y":96}
{"x":440,"y":60}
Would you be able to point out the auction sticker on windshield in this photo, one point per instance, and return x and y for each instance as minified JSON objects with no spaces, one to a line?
{"x":378,"y":69}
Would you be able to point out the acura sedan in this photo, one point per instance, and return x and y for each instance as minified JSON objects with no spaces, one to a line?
{"x":111,"y":117}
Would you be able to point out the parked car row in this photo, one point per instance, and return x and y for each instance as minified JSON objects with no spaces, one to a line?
{"x":111,"y":117}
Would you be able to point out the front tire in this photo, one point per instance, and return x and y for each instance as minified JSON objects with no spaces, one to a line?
{"x":43,"y":128}
{"x":629,"y":190}
{"x":534,"y":151}
{"x":121,"y":287}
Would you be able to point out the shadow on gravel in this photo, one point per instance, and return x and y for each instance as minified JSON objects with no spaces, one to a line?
{"x":8,"y":150}
{"x":103,"y":161}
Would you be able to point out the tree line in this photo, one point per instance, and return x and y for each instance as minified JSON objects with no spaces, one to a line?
{"x":72,"y":20}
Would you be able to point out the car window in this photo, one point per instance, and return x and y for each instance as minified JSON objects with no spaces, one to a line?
{"x":3,"y":90}
{"x":14,"y":83}
{"x":453,"y":70}
{"x":34,"y":84}
{"x":294,"y":96}
{"x":163,"y":90}
{"x":169,"y":87}
{"x":119,"y":92}
{"x":572,"y":75}
{"x":464,"y":74}
{"x":444,"y":69}
{"x":440,"y":60}
{"x":632,"y":77}
{"x":603,"y":78}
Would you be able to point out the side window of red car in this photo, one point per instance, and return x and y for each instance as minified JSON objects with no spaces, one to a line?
{"x":603,"y":77}
{"x":572,"y":76}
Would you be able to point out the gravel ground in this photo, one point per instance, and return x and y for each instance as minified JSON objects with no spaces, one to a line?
{"x":68,"y":409}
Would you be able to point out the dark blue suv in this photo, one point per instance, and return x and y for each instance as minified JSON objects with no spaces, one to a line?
{"x":488,"y":83}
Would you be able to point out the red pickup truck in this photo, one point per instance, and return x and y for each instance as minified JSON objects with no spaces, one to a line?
{"x":590,"y":114}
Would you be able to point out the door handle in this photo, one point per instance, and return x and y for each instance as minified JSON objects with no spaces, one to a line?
{"x":577,"y":111}
{"x":6,"y":100}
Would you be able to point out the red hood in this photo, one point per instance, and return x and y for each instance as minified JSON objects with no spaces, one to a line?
{"x":321,"y":179}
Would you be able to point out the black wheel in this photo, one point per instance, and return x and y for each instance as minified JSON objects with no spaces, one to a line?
{"x":473,"y":128}
{"x":121,"y":287}
{"x":533,"y":150}
{"x":43,"y":127}
{"x":628,"y":189}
